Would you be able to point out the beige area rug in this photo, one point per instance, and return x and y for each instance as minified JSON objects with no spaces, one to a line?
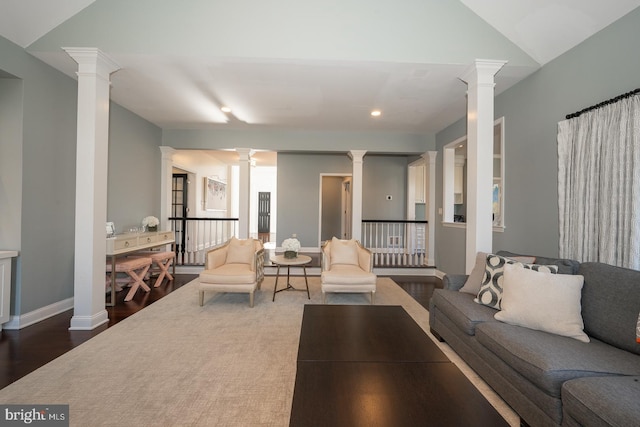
{"x":178,"y":364}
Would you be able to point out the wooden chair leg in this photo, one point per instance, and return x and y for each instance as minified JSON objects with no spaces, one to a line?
{"x":201,"y":298}
{"x":251,"y":299}
{"x":373,"y":297}
{"x":324,"y":297}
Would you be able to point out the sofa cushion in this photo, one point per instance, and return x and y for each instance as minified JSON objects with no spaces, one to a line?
{"x":491,"y":290}
{"x":548,"y":360}
{"x":344,"y":274}
{"x":610,"y":304}
{"x":565,"y":266}
{"x":344,"y":252}
{"x":474,"y":281}
{"x":602,"y":401}
{"x":460,"y":308}
{"x":542,"y":301}
{"x":230,"y":274}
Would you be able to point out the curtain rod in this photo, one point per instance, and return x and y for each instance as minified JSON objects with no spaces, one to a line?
{"x":603,"y":103}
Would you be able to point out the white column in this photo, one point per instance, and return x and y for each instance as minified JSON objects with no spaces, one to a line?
{"x":245,"y":192}
{"x":480,"y":93}
{"x":166,"y":186}
{"x":430,"y":187}
{"x":94,"y":70}
{"x":356,"y":193}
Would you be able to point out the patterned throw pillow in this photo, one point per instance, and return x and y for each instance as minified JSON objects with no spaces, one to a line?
{"x":491,"y":290}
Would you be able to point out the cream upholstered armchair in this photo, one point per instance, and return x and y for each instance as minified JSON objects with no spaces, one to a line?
{"x":236,"y":266}
{"x":347,"y":267}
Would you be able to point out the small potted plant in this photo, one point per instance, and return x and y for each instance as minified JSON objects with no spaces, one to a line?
{"x":150,"y":223}
{"x":291,"y":247}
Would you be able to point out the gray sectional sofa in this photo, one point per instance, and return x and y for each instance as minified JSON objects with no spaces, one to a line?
{"x":552,"y":380}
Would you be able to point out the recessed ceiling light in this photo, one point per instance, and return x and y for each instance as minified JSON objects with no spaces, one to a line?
{"x":225,"y":109}
{"x":376,"y":113}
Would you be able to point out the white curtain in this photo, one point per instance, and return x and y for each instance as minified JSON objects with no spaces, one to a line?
{"x":599,"y":184}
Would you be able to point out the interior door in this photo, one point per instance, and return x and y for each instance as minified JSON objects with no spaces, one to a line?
{"x":264,"y":215}
{"x":179,"y":198}
{"x":335,"y":207}
{"x":346,"y":208}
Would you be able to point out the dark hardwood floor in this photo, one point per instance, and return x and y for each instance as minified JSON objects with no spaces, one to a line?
{"x":25,"y":350}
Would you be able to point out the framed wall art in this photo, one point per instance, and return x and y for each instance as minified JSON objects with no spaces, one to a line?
{"x":111,"y":229}
{"x":215,"y":194}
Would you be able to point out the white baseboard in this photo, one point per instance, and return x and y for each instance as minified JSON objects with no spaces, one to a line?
{"x":315,"y":271}
{"x":271,"y":270}
{"x":38,"y":315}
{"x":88,"y":323}
{"x":189,"y":269}
{"x":404,"y":271}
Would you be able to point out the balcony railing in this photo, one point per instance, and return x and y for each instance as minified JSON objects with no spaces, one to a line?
{"x":396,"y":243}
{"x":195,"y":236}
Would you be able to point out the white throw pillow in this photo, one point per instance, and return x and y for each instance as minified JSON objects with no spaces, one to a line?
{"x":474,"y":281}
{"x":240,"y":251}
{"x":344,"y":252}
{"x":543,"y":301}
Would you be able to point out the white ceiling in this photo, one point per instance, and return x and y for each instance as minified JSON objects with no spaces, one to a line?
{"x":313,"y":93}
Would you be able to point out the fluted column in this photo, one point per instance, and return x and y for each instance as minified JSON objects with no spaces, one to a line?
{"x":480,"y":117}
{"x":94,"y":70}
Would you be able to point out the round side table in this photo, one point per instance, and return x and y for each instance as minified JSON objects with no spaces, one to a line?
{"x":299,"y":261}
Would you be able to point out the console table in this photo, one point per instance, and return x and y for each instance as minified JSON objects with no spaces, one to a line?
{"x":128,"y":243}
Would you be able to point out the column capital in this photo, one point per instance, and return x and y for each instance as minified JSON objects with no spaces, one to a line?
{"x":245,"y":153}
{"x":167,"y":152}
{"x":482,"y":71}
{"x":92,"y":60}
{"x":357,"y":155}
{"x":430,"y":157}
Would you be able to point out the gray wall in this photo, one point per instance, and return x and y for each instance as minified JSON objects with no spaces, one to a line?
{"x":134,"y":169}
{"x":44,"y":133}
{"x":299,"y":193}
{"x":331,"y":207}
{"x":10,"y":162}
{"x":11,"y":174}
{"x":299,"y":141}
{"x":382,"y":176}
{"x":298,"y":190}
{"x":600,"y":68}
{"x":45,"y":266}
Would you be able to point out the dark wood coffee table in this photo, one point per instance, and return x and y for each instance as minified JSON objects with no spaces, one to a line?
{"x":374,"y":366}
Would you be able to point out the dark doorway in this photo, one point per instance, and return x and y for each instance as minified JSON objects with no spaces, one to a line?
{"x":179,"y":210}
{"x":264,"y":216}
